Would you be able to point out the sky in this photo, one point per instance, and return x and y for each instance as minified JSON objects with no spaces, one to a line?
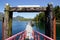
{"x":26,"y":2}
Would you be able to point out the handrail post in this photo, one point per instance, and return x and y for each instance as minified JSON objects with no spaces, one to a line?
{"x":23,"y":37}
{"x":14,"y":38}
{"x":35,"y":37}
{"x":33,"y":34}
{"x":20,"y":37}
{"x":44,"y":38}
{"x":38,"y":37}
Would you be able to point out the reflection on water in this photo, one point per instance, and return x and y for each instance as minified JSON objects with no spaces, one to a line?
{"x":18,"y":26}
{"x":58,"y":31}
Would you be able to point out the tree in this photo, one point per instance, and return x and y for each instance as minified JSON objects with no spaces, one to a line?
{"x":57,"y":12}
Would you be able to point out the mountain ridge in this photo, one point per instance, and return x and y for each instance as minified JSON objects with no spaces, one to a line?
{"x":17,"y":18}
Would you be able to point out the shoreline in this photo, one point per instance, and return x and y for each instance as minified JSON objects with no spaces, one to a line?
{"x":57,"y":22}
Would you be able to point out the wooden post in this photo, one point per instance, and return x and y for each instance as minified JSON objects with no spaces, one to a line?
{"x":7,"y":22}
{"x":10,"y":23}
{"x":2,"y":28}
{"x":54,"y":28}
{"x":49,"y":21}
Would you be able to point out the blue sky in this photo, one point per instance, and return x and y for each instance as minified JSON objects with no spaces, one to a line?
{"x":27,"y":2}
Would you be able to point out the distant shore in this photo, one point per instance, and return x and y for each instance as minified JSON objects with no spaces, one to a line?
{"x":57,"y":22}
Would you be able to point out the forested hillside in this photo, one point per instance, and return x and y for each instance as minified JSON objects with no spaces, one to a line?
{"x":41,"y":16}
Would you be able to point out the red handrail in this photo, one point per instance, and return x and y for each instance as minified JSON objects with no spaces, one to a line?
{"x":14,"y":36}
{"x":23,"y":34}
{"x":45,"y":37}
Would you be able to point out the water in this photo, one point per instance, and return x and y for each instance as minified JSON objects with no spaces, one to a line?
{"x":20,"y":26}
{"x":58,"y":31}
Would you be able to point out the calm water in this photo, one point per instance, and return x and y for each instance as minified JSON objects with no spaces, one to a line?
{"x":20,"y":26}
{"x":58,"y":31}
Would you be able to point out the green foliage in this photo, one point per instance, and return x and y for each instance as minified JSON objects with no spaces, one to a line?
{"x":57,"y":12}
{"x":40,"y":18}
{"x":19,"y":18}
